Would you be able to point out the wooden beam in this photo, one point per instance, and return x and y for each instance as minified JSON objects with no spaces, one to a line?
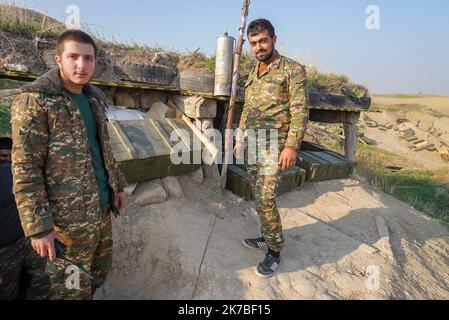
{"x":350,"y":128}
{"x":124,"y":139}
{"x":333,"y":116}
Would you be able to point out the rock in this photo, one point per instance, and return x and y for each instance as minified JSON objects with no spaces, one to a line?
{"x":161,"y":58}
{"x":147,"y":99}
{"x":197,"y":107}
{"x":197,"y":176}
{"x":172,"y":187}
{"x":125,"y":99}
{"x":109,"y":93}
{"x":149,"y":193}
{"x":444,"y":153}
{"x":158,"y":111}
{"x":129,"y":190}
{"x":49,"y":58}
{"x":16,"y":67}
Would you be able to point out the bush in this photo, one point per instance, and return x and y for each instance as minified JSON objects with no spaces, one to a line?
{"x":5,"y":121}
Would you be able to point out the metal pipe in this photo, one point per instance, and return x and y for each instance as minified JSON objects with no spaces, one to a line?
{"x":223,"y":65}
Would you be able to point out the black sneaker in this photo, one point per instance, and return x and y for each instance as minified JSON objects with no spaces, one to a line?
{"x":268,"y":267}
{"x":258,"y":244}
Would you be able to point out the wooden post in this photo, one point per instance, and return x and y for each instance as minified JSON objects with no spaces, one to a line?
{"x":350,"y":128}
{"x":232,"y":101}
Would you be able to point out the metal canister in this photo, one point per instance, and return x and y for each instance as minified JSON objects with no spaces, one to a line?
{"x":223,"y":65}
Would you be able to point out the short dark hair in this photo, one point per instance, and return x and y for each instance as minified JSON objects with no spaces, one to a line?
{"x":74,"y":35}
{"x":5,"y":143}
{"x":260,"y":25}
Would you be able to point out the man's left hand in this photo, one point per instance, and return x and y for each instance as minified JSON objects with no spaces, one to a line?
{"x":288,"y":158}
{"x":121,"y":200}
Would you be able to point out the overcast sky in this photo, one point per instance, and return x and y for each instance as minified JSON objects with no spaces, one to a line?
{"x":408,"y":53}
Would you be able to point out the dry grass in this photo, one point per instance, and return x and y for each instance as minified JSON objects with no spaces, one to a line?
{"x":27,"y":23}
{"x":439,"y":104}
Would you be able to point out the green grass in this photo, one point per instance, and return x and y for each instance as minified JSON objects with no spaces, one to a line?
{"x":401,"y":107}
{"x":425,"y":190}
{"x":27,"y":29}
{"x":247,"y":63}
{"x":5,"y":119}
{"x":326,"y":81}
{"x":408,"y":96}
{"x":402,"y":95}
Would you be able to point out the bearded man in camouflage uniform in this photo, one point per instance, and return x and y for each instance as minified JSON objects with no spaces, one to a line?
{"x":66,"y":182}
{"x":274,"y":102}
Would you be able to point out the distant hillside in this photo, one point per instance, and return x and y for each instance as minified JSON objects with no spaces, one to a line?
{"x":26,"y":22}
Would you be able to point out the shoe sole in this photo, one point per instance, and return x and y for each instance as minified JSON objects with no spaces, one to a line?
{"x":263,"y":276}
{"x":249,"y":247}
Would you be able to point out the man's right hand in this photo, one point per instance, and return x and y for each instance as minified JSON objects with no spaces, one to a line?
{"x":45,"y":246}
{"x":239,"y":150}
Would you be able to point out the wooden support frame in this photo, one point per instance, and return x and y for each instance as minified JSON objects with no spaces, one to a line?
{"x":349,"y":120}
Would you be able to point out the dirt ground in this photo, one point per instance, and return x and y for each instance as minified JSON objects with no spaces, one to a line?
{"x":390,"y":140}
{"x":426,"y":125}
{"x":343,"y":241}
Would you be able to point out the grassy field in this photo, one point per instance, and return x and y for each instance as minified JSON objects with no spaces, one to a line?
{"x":427,"y":191}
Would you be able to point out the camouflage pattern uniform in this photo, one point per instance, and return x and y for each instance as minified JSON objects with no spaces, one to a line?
{"x":12,"y":259}
{"x":54,"y":180}
{"x":274,"y":101}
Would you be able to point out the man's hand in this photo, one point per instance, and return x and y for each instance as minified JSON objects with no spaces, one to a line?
{"x":46,"y":246}
{"x":288,"y":158}
{"x":239,"y":150}
{"x":121,"y":200}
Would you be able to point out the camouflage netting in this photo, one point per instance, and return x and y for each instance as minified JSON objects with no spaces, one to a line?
{"x":27,"y":41}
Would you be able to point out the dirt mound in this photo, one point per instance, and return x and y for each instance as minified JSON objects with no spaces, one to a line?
{"x":344,"y":241}
{"x":18,"y":53}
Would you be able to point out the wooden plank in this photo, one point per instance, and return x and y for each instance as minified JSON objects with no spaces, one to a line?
{"x":238,"y":181}
{"x":163,"y":136}
{"x":123,"y":138}
{"x":311,"y":146}
{"x":350,"y":129}
{"x":317,"y":168}
{"x":147,"y":142}
{"x":182,"y":133}
{"x":338,"y":169}
{"x":410,"y":139}
{"x":427,"y":146}
{"x":155,"y":167}
{"x":415,"y":142}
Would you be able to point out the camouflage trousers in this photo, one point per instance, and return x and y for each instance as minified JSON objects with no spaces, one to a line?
{"x":89,"y":248}
{"x":265,"y":175}
{"x":21,"y":257}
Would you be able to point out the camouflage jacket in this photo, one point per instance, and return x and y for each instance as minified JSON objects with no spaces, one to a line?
{"x":54,"y":180}
{"x":277,"y":100}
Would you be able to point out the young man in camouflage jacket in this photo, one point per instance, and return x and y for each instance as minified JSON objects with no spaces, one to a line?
{"x":66,"y":182}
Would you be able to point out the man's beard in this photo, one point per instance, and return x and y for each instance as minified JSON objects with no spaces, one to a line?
{"x":266,"y":58}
